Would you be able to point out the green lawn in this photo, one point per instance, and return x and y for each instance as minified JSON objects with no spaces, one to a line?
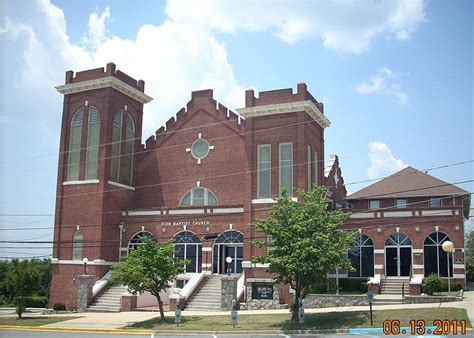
{"x":32,"y":321}
{"x":319,"y":321}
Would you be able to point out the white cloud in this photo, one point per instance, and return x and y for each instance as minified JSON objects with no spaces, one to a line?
{"x":382,"y":161}
{"x":96,"y":33}
{"x":172,"y":58}
{"x":383,"y":83}
{"x":349,"y":25}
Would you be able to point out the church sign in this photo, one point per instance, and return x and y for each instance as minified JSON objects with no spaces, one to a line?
{"x":262,"y":290}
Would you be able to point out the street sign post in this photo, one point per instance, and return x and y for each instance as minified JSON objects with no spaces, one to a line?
{"x":177,"y":313}
{"x":233,"y":313}
{"x":300,"y":311}
{"x":370,"y":298}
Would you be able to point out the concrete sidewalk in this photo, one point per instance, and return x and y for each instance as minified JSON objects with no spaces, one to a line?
{"x":95,"y":320}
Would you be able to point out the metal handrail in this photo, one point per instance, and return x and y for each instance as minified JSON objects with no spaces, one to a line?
{"x":382,"y":277}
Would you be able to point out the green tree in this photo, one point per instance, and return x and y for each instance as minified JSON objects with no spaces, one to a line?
{"x":150,"y":267}
{"x":23,"y":279}
{"x":306,"y":242}
{"x":470,"y":256}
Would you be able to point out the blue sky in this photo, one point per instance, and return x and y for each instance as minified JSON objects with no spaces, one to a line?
{"x":396,"y":78}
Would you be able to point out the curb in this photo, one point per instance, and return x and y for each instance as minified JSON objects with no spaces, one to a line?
{"x":63,"y":329}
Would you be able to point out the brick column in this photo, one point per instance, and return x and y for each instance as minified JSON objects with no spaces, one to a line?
{"x":84,"y":292}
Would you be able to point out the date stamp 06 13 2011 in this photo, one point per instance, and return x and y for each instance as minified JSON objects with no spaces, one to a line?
{"x":419,"y":327}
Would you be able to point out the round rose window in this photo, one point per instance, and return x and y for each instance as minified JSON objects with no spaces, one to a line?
{"x":200,"y":148}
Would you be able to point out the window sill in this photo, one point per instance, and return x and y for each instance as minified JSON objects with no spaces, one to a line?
{"x":81,"y":182}
{"x":269,"y":200}
{"x":120,"y":185}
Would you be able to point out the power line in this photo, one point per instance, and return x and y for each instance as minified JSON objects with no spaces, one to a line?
{"x":192,"y":217}
{"x":247,"y":172}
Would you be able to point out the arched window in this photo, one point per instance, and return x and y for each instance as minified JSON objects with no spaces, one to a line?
{"x":75,"y":140}
{"x":362,"y":257}
{"x":198,"y":196}
{"x":188,"y":247}
{"x":77,"y":244}
{"x":122,"y":137}
{"x":93,"y":134}
{"x":137,"y":239}
{"x":436,"y":259}
{"x":398,"y":239}
{"x":230,"y":237}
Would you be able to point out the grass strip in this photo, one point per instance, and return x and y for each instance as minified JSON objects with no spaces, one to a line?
{"x":313,"y":321}
{"x":32,"y":321}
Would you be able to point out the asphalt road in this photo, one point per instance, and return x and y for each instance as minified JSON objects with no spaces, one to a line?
{"x":49,"y":334}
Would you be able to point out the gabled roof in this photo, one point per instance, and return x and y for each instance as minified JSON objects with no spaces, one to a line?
{"x":408,"y":182}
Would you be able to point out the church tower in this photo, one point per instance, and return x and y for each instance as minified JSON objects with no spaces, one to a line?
{"x":100,"y":133}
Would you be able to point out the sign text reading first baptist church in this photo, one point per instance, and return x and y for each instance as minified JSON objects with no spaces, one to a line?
{"x":184,"y":223}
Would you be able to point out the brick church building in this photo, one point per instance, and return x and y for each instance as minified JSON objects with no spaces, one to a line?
{"x":203,"y":177}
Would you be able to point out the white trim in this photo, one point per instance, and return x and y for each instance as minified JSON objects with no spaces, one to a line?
{"x":249,"y":264}
{"x":144,"y":213}
{"x":104,"y":82}
{"x":379,"y":251}
{"x":269,"y":200}
{"x":417,"y":251}
{"x":335,"y":275}
{"x":206,"y":249}
{"x":259,"y":280}
{"x":397,"y":214}
{"x":121,"y":185}
{"x":80,"y":262}
{"x":436,"y":212}
{"x":263,"y":201}
{"x":458,"y":266}
{"x":185,"y":211}
{"x":307,"y":106}
{"x":362,"y":215}
{"x":227,"y":210}
{"x":81,"y":182}
{"x":459,"y":275}
{"x":418,"y":266}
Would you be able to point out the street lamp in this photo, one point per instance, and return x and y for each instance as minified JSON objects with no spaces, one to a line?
{"x":228,"y":260}
{"x":85,"y":260}
{"x":448,"y":248}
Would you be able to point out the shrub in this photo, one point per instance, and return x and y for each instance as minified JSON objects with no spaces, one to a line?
{"x":59,"y":307}
{"x":431,"y":284}
{"x":455,"y":286}
{"x":353,"y":285}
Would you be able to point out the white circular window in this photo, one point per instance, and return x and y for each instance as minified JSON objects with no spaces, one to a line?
{"x":200,"y":148}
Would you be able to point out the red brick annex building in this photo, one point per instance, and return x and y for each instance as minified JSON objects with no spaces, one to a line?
{"x":206,"y":175}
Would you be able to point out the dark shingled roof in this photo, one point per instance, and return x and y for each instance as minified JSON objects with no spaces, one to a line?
{"x":408,"y":182}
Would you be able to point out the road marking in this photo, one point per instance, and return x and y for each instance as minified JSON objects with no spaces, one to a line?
{"x":153,"y":335}
{"x":214,"y":336}
{"x":284,"y":335}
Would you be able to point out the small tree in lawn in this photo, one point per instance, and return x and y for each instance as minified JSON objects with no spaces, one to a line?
{"x":23,"y":279}
{"x":149,"y":267}
{"x":306,"y":242}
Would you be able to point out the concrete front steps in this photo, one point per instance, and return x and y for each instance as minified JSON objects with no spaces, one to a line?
{"x":110,"y":300}
{"x":387,"y":300}
{"x":208,"y":297}
{"x":393,"y":286}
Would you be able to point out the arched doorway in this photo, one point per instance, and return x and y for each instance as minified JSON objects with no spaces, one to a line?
{"x":228,"y":244}
{"x":398,"y":250}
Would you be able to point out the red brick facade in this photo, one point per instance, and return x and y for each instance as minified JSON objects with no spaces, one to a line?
{"x":164,"y":169}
